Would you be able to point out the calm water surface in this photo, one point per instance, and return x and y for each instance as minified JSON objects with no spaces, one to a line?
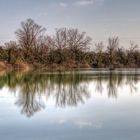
{"x":80,"y":105}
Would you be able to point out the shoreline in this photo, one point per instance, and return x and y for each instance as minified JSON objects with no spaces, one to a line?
{"x":25,"y":67}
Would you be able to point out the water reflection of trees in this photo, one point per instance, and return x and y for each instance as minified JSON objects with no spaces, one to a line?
{"x":114,"y":81}
{"x":68,"y":90}
{"x":65,"y":89}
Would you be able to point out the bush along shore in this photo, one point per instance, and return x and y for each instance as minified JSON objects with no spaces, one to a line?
{"x":66,"y":49}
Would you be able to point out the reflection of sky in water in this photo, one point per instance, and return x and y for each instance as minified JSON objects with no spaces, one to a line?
{"x":101,"y":117}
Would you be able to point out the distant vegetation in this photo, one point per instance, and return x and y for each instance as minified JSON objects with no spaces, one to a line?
{"x":67,"y":48}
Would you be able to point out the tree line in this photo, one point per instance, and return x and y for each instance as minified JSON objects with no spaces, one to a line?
{"x":68,"y":48}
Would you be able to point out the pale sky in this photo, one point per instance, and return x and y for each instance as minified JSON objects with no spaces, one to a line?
{"x":100,"y":19}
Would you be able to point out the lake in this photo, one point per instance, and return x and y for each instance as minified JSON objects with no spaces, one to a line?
{"x":77,"y":105}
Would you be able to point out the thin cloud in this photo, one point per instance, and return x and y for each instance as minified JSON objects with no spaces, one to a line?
{"x":59,"y":4}
{"x":84,"y":2}
{"x":88,"y":2}
{"x":80,"y":3}
{"x":87,"y":124}
{"x":62,"y":4}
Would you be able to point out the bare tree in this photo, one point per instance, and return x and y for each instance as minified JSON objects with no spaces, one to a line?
{"x":113,"y":44}
{"x":70,"y":43}
{"x":41,"y":49}
{"x":131,"y":54}
{"x":28,"y":35}
{"x":12,"y":51}
{"x":60,"y":43}
{"x":77,"y":43}
{"x":99,"y":49}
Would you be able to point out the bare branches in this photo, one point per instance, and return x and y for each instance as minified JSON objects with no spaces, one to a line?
{"x":28,"y":35}
{"x":113,"y":43}
{"x":70,"y":40}
{"x":99,"y":47}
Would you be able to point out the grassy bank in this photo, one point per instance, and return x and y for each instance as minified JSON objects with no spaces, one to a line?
{"x":24,"y":66}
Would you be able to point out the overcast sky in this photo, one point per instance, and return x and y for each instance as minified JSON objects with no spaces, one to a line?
{"x":100,"y":19}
